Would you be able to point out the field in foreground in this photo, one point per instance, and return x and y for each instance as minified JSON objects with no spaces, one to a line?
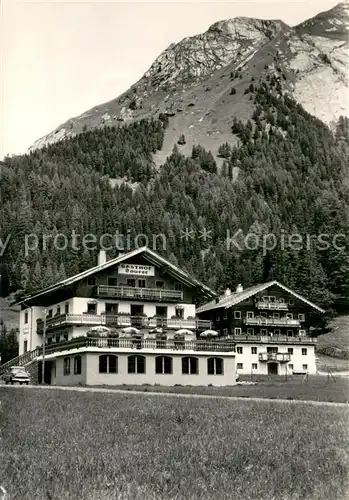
{"x":315,"y":388}
{"x":99,"y":446}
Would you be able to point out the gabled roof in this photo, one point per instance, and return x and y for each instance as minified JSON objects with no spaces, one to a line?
{"x":150,"y":255}
{"x":236,"y":298}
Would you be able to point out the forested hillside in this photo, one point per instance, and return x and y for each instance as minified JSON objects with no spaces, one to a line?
{"x":292,"y":178}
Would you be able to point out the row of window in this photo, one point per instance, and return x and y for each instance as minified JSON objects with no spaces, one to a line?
{"x":272,"y":299}
{"x":250,"y":315}
{"x":108,"y":363}
{"x":240,"y":366}
{"x":263,"y":331}
{"x":254,"y":350}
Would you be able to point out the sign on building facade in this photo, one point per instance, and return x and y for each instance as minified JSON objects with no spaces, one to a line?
{"x":137,"y":269}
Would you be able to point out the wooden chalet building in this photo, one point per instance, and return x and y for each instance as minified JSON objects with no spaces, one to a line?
{"x":271,"y":326}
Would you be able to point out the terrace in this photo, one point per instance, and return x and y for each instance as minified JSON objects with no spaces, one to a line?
{"x":121,"y":321}
{"x":129,"y":292}
{"x":140,"y":344}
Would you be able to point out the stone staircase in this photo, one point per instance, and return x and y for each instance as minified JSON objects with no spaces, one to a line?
{"x":27,"y":359}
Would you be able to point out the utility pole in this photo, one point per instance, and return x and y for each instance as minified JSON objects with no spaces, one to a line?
{"x":43,"y":350}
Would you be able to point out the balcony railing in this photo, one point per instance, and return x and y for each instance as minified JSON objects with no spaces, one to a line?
{"x":272,"y":321}
{"x":278,"y":306}
{"x":274,"y":356}
{"x":121,"y":321}
{"x":129,"y":292}
{"x":128,"y":343}
{"x":275,"y":339}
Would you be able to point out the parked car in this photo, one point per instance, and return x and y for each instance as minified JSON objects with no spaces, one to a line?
{"x":16,"y":374}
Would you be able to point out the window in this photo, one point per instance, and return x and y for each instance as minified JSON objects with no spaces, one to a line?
{"x":304,"y":351}
{"x":178,"y":287}
{"x":225,"y":331}
{"x":215,"y":366}
{"x":66,"y":308}
{"x":131,"y":282}
{"x":26,"y":317}
{"x":237,"y":331}
{"x":289,"y":333}
{"x":111,"y":308}
{"x":305,"y":367}
{"x":136,"y":364}
{"x":239,"y":350}
{"x":92,"y":308}
{"x":253,"y":350}
{"x":91,"y":281}
{"x":277,"y":332}
{"x":77,"y":365}
{"x":190,"y":366}
{"x":301,"y":317}
{"x":159,"y":284}
{"x":290,"y":366}
{"x":250,"y":331}
{"x":276,"y":315}
{"x":291,"y":302}
{"x":58,"y":338}
{"x":264,"y":331}
{"x":254,"y":366}
{"x":281,"y":300}
{"x":112,"y":281}
{"x":66,"y":366}
{"x":250,"y":314}
{"x":290,"y":350}
{"x":58,"y":310}
{"x":179,"y":312}
{"x":289,"y":316}
{"x":225,"y":314}
{"x":271,"y":299}
{"x":141,"y":283}
{"x":108,"y":363}
{"x":49,"y":340}
{"x":49,"y":314}
{"x":272,"y":349}
{"x":25,"y":346}
{"x":302,"y":333}
{"x":65,"y":337}
{"x":237,"y":314}
{"x":239,"y":366}
{"x":163,"y":365}
{"x":218,"y":317}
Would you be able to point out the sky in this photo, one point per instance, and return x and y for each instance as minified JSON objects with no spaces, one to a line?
{"x":61,"y":58}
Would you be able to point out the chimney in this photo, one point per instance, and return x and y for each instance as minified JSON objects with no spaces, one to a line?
{"x":239,"y":288}
{"x":227,"y":292}
{"x":102,"y":257}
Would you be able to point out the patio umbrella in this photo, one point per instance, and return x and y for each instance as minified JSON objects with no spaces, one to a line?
{"x":183,"y":331}
{"x":131,"y":330}
{"x":157,"y":330}
{"x":209,"y":333}
{"x":103,"y":331}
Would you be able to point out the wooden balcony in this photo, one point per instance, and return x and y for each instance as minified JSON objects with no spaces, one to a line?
{"x":274,"y":356}
{"x":121,"y":321}
{"x":129,"y":292}
{"x":144,"y":344}
{"x":274,"y":306}
{"x":272,"y":321}
{"x":275,"y":339}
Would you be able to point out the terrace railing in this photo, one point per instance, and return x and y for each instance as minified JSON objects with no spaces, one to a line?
{"x":139,"y":344}
{"x":130,"y":292}
{"x":121,"y":321}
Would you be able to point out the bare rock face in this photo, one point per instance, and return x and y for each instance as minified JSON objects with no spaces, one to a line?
{"x":200,"y":82}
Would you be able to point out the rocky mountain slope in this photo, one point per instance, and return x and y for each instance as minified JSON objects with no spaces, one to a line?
{"x":202,"y":82}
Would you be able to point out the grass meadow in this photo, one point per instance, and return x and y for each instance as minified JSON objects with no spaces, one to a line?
{"x":60,"y":445}
{"x":315,"y":388}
